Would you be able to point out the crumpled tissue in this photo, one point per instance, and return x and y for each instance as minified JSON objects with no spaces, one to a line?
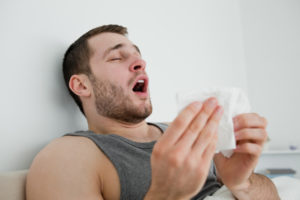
{"x":234,"y":102}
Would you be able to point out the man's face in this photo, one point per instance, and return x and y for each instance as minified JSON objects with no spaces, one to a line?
{"x":119,"y":80}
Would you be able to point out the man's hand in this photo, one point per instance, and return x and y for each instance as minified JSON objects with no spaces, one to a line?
{"x":182,"y":156}
{"x":250,"y":134}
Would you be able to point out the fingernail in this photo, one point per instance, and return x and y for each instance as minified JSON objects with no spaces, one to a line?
{"x":212,"y":102}
{"x":219,"y":110}
{"x":197,"y":104}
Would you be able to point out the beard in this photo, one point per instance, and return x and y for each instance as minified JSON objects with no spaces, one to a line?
{"x":112,"y":102}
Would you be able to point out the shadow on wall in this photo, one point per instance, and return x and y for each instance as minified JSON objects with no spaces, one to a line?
{"x":59,"y":96}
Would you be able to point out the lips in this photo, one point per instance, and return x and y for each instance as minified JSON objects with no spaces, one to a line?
{"x":140,"y":85}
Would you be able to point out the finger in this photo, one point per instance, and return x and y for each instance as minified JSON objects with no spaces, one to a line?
{"x":249,"y":120}
{"x":204,"y":160}
{"x":209,"y":152}
{"x":249,"y":148}
{"x":254,"y":134}
{"x":192,"y":132}
{"x":208,"y":132}
{"x":181,"y":122}
{"x":219,"y":157}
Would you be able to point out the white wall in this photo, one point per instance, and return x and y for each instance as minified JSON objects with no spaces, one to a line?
{"x":187,"y":44}
{"x":272,"y":50}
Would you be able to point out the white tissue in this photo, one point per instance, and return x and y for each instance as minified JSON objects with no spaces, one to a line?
{"x":234,"y":102}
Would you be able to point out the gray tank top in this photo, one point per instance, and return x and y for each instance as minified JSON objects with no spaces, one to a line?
{"x":132,"y":162}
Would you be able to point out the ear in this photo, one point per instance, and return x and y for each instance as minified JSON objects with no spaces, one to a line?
{"x":80,"y":85}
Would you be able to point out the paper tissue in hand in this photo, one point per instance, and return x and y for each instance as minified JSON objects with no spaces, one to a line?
{"x":234,"y":102}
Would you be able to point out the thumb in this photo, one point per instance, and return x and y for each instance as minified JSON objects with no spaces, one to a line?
{"x":219,"y":159}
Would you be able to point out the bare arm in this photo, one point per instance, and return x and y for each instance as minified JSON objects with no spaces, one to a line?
{"x":64,"y":170}
{"x":259,"y":187}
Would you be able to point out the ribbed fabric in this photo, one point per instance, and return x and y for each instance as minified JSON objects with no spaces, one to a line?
{"x":132,"y":162}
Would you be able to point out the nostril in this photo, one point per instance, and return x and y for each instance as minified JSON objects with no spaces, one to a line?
{"x":137,"y":67}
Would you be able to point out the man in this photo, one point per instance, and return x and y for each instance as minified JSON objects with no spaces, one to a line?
{"x":119,"y":158}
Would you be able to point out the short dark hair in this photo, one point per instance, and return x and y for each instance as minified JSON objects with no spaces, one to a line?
{"x":77,"y":56}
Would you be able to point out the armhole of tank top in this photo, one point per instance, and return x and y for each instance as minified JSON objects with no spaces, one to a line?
{"x":159,"y":125}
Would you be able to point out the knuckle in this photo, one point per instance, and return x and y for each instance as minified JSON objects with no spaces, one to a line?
{"x":252,"y":149}
{"x":201,"y":172}
{"x":215,"y":138}
{"x":210,"y":129}
{"x":191,"y":163}
{"x":247,"y":132}
{"x":244,"y":122}
{"x":157,"y":152}
{"x":217,"y":118}
{"x":195,"y":127}
{"x":243,"y":134}
{"x":179,"y":122}
{"x":192,"y":110}
{"x":207,"y":111}
{"x":215,"y":122}
{"x":175,"y":160}
{"x":247,"y":147}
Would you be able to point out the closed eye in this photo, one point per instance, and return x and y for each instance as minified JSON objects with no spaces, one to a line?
{"x":114,"y":59}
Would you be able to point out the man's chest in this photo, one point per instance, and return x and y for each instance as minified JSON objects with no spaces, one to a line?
{"x":123,"y":177}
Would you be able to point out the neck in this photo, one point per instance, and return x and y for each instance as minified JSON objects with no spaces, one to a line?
{"x":138,"y":132}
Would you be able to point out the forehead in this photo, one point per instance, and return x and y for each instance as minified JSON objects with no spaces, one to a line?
{"x":99,"y":43}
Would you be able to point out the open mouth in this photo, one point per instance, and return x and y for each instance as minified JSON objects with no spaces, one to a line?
{"x":140,"y":86}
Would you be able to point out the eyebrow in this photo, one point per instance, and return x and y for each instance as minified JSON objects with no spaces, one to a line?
{"x":118,"y":46}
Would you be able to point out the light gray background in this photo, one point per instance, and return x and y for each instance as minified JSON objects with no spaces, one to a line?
{"x":253,"y":45}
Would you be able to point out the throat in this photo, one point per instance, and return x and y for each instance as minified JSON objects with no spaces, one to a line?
{"x":146,"y":134}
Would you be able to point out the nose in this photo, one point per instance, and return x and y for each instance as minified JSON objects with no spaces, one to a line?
{"x":138,"y":65}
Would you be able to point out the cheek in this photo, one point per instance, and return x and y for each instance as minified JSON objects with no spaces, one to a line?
{"x":120,"y":79}
{"x":117,"y":75}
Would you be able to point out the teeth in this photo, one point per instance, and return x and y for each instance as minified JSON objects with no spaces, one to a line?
{"x":141,"y":81}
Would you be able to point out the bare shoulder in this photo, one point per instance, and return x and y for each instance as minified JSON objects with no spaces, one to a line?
{"x":68,"y":150}
{"x":67,"y":168}
{"x":72,"y":147}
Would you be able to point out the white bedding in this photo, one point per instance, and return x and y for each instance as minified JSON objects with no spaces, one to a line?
{"x":288,"y":189}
